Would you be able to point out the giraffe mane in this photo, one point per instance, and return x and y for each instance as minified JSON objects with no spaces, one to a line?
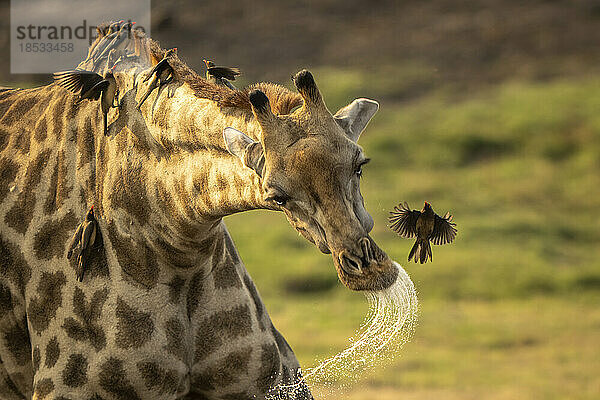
{"x":149,"y":53}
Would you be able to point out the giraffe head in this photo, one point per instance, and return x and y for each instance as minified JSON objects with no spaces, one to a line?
{"x":311,"y":164}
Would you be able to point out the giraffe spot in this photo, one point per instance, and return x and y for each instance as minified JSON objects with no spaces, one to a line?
{"x":5,"y":300}
{"x":282,"y":344}
{"x":220,"y":327}
{"x":50,"y":204}
{"x":57,"y":106}
{"x":224,"y":372}
{"x":52,"y":352}
{"x":270,"y":364}
{"x":226,"y":276}
{"x":129,"y":192}
{"x":231,"y":249}
{"x":8,"y":172}
{"x":20,"y":215}
{"x":200,"y":182}
{"x":113,"y":379}
{"x":36,"y":358}
{"x":43,"y":388}
{"x":195,"y":293}
{"x":224,"y":271}
{"x":19,"y":108}
{"x":75,"y":372}
{"x":221,"y":184}
{"x":59,"y":185}
{"x":258,"y":304}
{"x":134,"y":328}
{"x":87,"y":328}
{"x":85,"y":143}
{"x":171,"y":210}
{"x":137,"y":260}
{"x":175,"y":286}
{"x":175,"y":343}
{"x":3,"y":138}
{"x":16,"y":341}
{"x":71,"y":108}
{"x":9,"y":385}
{"x":172,"y":255}
{"x":14,"y":266}
{"x":22,"y":141}
{"x":42,"y":308}
{"x":51,"y":239}
{"x":218,"y":249}
{"x":157,"y":378}
{"x":41,"y":130}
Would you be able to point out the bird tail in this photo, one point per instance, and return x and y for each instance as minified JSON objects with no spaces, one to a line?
{"x":420,"y":251}
{"x":425,"y":252}
{"x":413,"y":251}
{"x":80,"y":267}
{"x":139,"y":106}
{"x":104,"y":117}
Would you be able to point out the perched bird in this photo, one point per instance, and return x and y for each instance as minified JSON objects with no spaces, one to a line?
{"x":118,"y":41}
{"x":161,"y":74}
{"x":221,"y":75}
{"x":84,"y":241}
{"x":425,"y":225}
{"x":91,"y":86}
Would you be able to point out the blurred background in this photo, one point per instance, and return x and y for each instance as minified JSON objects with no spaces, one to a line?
{"x":489,"y":109}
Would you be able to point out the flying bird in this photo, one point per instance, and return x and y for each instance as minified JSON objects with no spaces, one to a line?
{"x":85,"y":239}
{"x":221,"y":75}
{"x":426,"y":225}
{"x":91,"y":86}
{"x":161,"y":74}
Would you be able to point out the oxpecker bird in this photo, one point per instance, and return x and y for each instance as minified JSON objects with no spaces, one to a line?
{"x":426,"y":225}
{"x":85,"y":239}
{"x":161,"y":74}
{"x":221,"y":75}
{"x":91,"y":86}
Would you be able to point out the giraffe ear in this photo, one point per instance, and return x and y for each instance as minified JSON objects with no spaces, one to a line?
{"x":355,"y":116}
{"x":242,"y":146}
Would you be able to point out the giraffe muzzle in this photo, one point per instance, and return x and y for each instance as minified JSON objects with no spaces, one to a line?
{"x":365,"y":266}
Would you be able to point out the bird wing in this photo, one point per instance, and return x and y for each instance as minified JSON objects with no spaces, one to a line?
{"x":77,"y":81}
{"x":75,"y":240}
{"x":403,"y":220}
{"x":444,"y":230}
{"x":157,"y":69}
{"x":94,"y":92}
{"x":88,"y":236}
{"x":224,"y":72}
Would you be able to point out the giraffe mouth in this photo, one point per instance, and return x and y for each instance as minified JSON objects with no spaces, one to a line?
{"x":365,"y":266}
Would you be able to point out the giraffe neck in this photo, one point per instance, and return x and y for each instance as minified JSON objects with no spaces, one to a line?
{"x":179,"y":193}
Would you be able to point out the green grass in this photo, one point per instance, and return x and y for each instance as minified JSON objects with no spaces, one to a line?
{"x":507,"y":311}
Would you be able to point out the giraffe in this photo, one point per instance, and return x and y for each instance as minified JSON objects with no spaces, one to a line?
{"x":166,"y":309}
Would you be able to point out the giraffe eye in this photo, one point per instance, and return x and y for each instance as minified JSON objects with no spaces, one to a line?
{"x":358,"y":171}
{"x":279,"y":199}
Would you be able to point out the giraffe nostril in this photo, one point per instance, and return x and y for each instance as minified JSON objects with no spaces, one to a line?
{"x":350,"y":264}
